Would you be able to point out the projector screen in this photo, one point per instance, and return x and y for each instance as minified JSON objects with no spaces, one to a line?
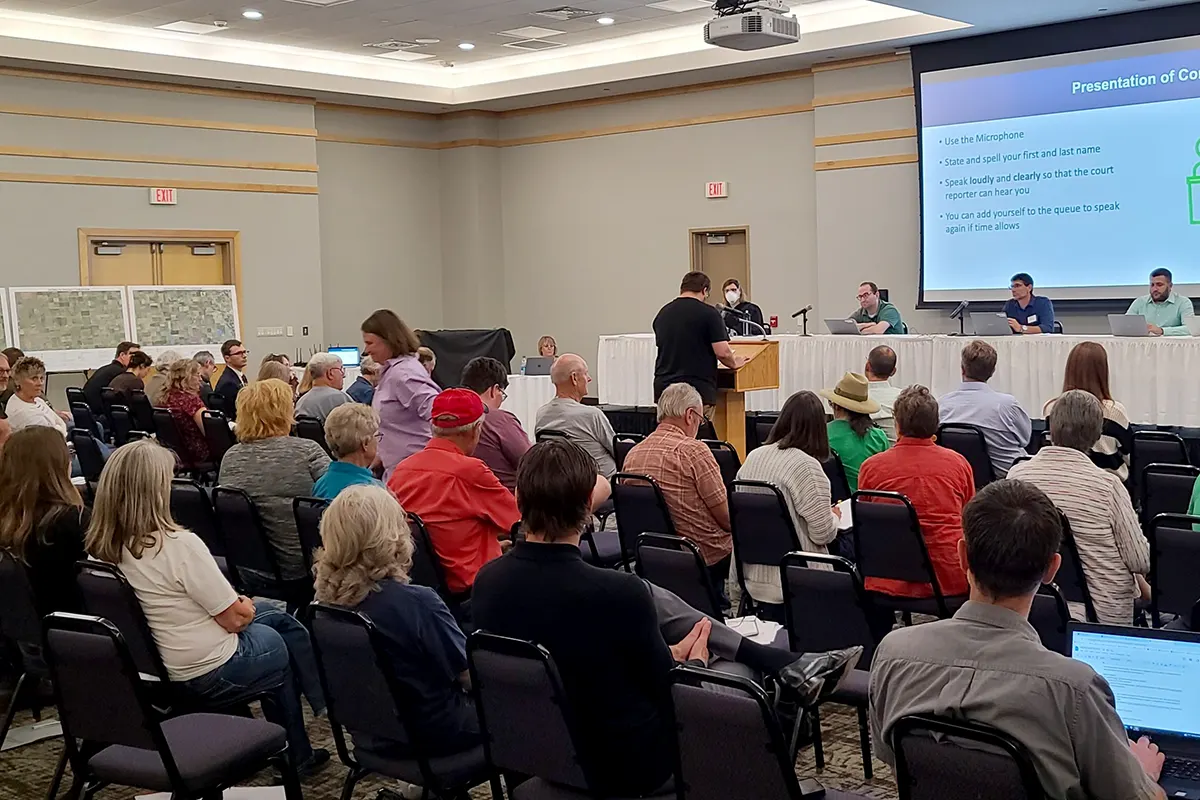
{"x":1081,"y":169}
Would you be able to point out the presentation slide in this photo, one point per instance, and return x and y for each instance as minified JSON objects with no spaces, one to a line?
{"x":1080,"y":169}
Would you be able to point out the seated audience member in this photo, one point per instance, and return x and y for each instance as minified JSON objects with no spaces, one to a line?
{"x":987,"y":664}
{"x":5,"y":432}
{"x":1005,"y":425}
{"x":852,"y":434}
{"x":275,"y":370}
{"x":364,"y":565}
{"x":156,"y":387}
{"x":1026,"y":312}
{"x":586,"y":426}
{"x":428,"y":359}
{"x":273,"y":467}
{"x":350,"y":432}
{"x":789,"y":462}
{"x":363,"y":388}
{"x":608,"y":630}
{"x":1087,"y":369}
{"x":547,"y":347}
{"x":208,"y":366}
{"x":182,"y":399}
{"x":233,"y":377}
{"x":5,"y":385}
{"x":134,"y":376}
{"x":462,"y":503}
{"x":103,"y":376}
{"x":325,"y":393}
{"x":27,"y":407}
{"x":405,"y":392}
{"x":1114,"y":552}
{"x":42,"y":517}
{"x":216,"y":645}
{"x":936,"y":480}
{"x":881,"y":366}
{"x":503,"y":440}
{"x":687,"y":471}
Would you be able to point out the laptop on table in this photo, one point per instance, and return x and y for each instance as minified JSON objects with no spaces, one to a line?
{"x":843,"y":327}
{"x":990,"y":324}
{"x":539,"y":365}
{"x":1155,"y":677}
{"x":349,"y":355}
{"x":1128,"y":325}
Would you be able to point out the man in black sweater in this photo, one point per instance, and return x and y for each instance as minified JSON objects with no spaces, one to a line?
{"x":103,"y":376}
{"x":608,"y":630}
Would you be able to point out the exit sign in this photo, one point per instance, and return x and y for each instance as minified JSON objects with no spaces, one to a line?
{"x":162,"y":197}
{"x":716,"y":189}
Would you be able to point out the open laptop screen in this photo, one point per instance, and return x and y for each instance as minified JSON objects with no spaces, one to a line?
{"x":348,"y":355}
{"x":1156,"y":681}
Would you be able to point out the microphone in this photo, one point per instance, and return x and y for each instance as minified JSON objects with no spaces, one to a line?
{"x":960,"y":309}
{"x":804,"y":310}
{"x":734,"y":311}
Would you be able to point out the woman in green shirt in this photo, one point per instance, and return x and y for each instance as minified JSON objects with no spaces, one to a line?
{"x":852,"y":433}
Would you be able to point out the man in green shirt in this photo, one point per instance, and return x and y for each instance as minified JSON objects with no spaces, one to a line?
{"x":876,"y":315}
{"x":1166,"y":311}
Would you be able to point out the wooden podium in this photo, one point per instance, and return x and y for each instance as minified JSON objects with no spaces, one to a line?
{"x":761,"y":371}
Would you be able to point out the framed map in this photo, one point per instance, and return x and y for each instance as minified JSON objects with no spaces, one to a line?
{"x":175,"y":316}
{"x":75,"y":318}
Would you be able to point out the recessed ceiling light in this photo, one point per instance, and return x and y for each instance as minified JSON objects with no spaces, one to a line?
{"x":427,"y":40}
{"x":250,"y":13}
{"x":606,"y":21}
{"x":465,"y":46}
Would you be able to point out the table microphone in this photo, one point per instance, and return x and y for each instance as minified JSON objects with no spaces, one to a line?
{"x":734,"y":311}
{"x":804,"y":310}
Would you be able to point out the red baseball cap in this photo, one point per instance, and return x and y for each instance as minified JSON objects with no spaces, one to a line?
{"x":454,"y":408}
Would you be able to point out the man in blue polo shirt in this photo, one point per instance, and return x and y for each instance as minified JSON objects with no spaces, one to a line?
{"x":1027,"y":312}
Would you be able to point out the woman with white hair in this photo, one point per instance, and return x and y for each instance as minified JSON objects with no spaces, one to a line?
{"x":364,"y":565}
{"x":350,"y":431}
{"x":156,"y":387}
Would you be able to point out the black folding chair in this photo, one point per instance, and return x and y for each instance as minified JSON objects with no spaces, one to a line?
{"x":312,"y":429}
{"x":763,"y":431}
{"x":84,"y":420}
{"x":1174,"y":565}
{"x":123,"y":430}
{"x":640,"y":507}
{"x":675,"y":564}
{"x":106,"y":593}
{"x":75,"y":395}
{"x":727,"y":459}
{"x":839,"y":484}
{"x":365,"y":698}
{"x":969,"y":442}
{"x":622,"y":444}
{"x":218,"y":435}
{"x":91,"y":461}
{"x":888,"y":544}
{"x":103,"y":702}
{"x":191,"y":507}
{"x":933,"y":761}
{"x":1072,"y":581}
{"x":427,"y":569}
{"x":308,"y":512}
{"x":825,"y":608}
{"x":167,"y":432}
{"x":110,"y":397}
{"x":249,"y":552}
{"x":1049,"y":617}
{"x":142,"y":411}
{"x":1166,"y":489}
{"x":762,"y":528}
{"x":1154,"y":447}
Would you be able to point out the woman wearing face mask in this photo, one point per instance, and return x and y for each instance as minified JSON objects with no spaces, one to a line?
{"x":739,"y":324}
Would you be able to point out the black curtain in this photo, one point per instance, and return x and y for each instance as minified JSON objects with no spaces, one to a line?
{"x":455,"y":348}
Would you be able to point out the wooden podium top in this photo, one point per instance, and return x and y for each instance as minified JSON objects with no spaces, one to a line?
{"x":761,"y":371}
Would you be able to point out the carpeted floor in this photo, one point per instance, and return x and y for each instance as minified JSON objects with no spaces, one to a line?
{"x":25,"y":772}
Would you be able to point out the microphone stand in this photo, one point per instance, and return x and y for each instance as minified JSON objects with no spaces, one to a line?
{"x":804,"y":322}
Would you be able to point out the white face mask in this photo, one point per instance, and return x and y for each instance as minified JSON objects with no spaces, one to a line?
{"x":732,"y":297}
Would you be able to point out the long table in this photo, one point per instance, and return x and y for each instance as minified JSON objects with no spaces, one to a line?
{"x":1151,"y":377}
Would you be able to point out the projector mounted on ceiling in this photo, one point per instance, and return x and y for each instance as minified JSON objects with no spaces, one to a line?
{"x":751,"y":25}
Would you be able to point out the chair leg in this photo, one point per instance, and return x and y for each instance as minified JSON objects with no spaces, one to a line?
{"x":818,"y":742}
{"x":864,"y":739}
{"x":497,"y":789}
{"x":59,"y":771}
{"x":11,"y":712}
{"x":291,"y":781}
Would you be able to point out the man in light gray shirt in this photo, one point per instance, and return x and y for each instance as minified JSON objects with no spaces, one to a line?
{"x":880,"y":367}
{"x":1005,"y":425}
{"x":987,"y":664}
{"x":586,"y":426}
{"x":328,"y":377}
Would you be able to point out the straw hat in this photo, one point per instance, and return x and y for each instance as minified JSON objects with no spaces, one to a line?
{"x":851,"y":394}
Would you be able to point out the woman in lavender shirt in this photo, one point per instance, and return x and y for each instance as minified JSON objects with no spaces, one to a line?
{"x":405,"y":392}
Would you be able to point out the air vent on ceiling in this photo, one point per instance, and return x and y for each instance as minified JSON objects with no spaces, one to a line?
{"x":565,"y":13}
{"x":392,"y":44}
{"x":200,"y":29}
{"x":534,"y":44}
{"x":320,"y":3}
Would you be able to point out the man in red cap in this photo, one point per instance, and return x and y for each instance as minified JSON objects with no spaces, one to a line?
{"x":460,"y":500}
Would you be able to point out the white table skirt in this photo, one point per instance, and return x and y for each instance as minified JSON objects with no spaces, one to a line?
{"x":526,"y":394}
{"x":1150,"y":376}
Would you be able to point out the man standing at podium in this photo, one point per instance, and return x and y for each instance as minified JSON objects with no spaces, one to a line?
{"x":691,"y":339}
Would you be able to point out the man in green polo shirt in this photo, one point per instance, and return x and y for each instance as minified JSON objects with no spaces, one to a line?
{"x":1166,"y":311}
{"x":876,"y":315}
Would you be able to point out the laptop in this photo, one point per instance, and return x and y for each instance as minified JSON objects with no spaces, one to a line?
{"x":1155,"y":677}
{"x":843,"y":327}
{"x":990,"y":324}
{"x":539,"y":365}
{"x":349,"y":355}
{"x":1128,"y":325}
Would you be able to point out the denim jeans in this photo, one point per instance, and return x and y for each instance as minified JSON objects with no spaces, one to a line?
{"x":274,"y":653}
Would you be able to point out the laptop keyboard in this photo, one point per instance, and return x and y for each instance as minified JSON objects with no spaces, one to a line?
{"x":1181,"y":768}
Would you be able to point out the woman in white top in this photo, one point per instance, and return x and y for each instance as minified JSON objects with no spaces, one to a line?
{"x":791,"y":461}
{"x":1087,"y":369}
{"x":216,"y":645}
{"x":27,"y":407}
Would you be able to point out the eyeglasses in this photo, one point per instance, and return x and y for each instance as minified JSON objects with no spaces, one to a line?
{"x":233,"y":353}
{"x":503,"y":394}
{"x":864,"y":295}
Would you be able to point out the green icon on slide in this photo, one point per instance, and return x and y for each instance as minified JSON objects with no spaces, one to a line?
{"x":1194,"y":190}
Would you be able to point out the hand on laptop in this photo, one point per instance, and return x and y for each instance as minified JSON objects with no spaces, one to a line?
{"x":1154,"y":330}
{"x":1146,"y":752}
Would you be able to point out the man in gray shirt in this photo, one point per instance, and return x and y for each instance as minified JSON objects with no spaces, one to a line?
{"x":987,"y":664}
{"x":586,"y":426}
{"x":328,"y":377}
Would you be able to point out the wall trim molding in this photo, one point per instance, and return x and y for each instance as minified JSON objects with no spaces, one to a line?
{"x":88,"y":155}
{"x":870,"y":136}
{"x":874,"y":161}
{"x":157,"y":86}
{"x":862,"y":97}
{"x":379,"y":142}
{"x":170,"y":122}
{"x":100,"y":180}
{"x":865,"y":61}
{"x":351,"y":108}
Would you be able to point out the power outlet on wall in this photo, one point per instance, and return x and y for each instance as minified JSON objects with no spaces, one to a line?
{"x":266,"y":332}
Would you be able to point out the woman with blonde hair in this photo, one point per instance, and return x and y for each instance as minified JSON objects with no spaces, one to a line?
{"x":405,"y":392}
{"x":182,"y":399}
{"x":350,"y":431}
{"x":278,"y":371}
{"x":547,"y":347}
{"x":156,"y":386}
{"x":216,"y":646}
{"x":273,"y":467}
{"x":364,"y":565}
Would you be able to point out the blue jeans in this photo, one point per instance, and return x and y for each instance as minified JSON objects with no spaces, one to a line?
{"x":274,"y":653}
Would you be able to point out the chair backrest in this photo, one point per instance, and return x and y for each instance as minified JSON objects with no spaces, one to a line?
{"x":83,"y":419}
{"x":166,"y":430}
{"x":549,"y":433}
{"x":839,"y":484}
{"x":19,"y":618}
{"x":142,"y":410}
{"x":1174,"y":563}
{"x":931,"y":764}
{"x":312,"y":428}
{"x":1155,"y":447}
{"x":426,"y":569}
{"x":1049,"y":617}
{"x":824,"y":608}
{"x":246,"y":543}
{"x":110,"y":397}
{"x":1166,"y":489}
{"x":640,"y":507}
{"x":217,"y":434}
{"x":622,"y":444}
{"x":91,"y":462}
{"x":727,"y":459}
{"x":888,"y":541}
{"x":1072,"y":582}
{"x":523,"y":710}
{"x":122,"y":423}
{"x":763,"y":431}
{"x":968,"y":441}
{"x":762,"y":528}
{"x":675,"y":564}
{"x":192,"y":508}
{"x":308,"y":512}
{"x":106,"y":593}
{"x":730,"y":744}
{"x":707,"y":430}
{"x":75,"y":395}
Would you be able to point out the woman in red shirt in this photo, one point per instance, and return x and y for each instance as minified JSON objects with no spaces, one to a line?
{"x":186,"y":407}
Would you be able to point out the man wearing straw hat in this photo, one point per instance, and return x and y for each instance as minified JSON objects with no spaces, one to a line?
{"x":853,"y":435}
